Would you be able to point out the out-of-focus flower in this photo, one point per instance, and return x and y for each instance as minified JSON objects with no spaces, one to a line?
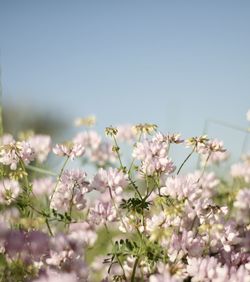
{"x":71,"y":151}
{"x":112,"y":179}
{"x":86,"y":121}
{"x":146,"y":128}
{"x":126,"y":133}
{"x":6,"y":139}
{"x":207,"y":269}
{"x":70,"y":191}
{"x":88,"y":139}
{"x":242,"y":205}
{"x":13,"y":152}
{"x":242,"y":169}
{"x":41,"y":145}
{"x":53,"y":276}
{"x":102,"y":212}
{"x":66,"y":255}
{"x":103,"y":154}
{"x":9,"y":191}
{"x":8,"y":155}
{"x":43,"y":186}
{"x":169,"y":138}
{"x":197,"y":143}
{"x":248,"y":115}
{"x":82,"y":233}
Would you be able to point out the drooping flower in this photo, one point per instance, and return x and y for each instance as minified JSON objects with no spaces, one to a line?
{"x":71,"y":151}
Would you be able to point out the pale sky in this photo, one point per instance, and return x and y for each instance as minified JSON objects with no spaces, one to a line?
{"x":174,"y":63}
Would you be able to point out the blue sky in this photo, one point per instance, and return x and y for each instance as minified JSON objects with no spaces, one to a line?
{"x":174,"y":63}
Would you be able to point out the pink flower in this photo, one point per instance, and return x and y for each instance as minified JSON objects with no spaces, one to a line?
{"x":70,"y":151}
{"x":9,"y":191}
{"x":71,"y":191}
{"x":112,"y":179}
{"x":102,"y":212}
{"x":153,"y":156}
{"x":41,"y":145}
{"x":43,"y":186}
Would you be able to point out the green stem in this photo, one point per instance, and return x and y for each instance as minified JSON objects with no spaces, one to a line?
{"x":59,"y":177}
{"x":117,"y":152}
{"x":40,"y":170}
{"x":134,"y":269}
{"x":186,"y":159}
{"x":110,"y":238}
{"x":133,"y":160}
{"x":47,"y":223}
{"x":205,"y":165}
{"x":135,"y":187}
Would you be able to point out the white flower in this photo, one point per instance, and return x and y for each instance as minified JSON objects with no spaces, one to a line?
{"x":41,"y":145}
{"x":69,"y":150}
{"x":112,"y":179}
{"x":9,"y":191}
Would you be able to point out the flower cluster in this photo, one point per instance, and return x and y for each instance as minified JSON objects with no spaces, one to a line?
{"x":153,"y":155}
{"x":132,"y":218}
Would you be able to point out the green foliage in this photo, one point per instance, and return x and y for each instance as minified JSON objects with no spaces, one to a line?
{"x":135,"y":205}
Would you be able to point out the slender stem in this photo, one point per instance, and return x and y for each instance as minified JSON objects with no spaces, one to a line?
{"x":40,"y":170}
{"x":134,"y":269}
{"x":47,"y":223}
{"x":117,"y":210}
{"x":204,"y":167}
{"x":117,"y":152}
{"x":25,"y":173}
{"x":133,"y":160}
{"x":135,"y":187}
{"x":110,"y":238}
{"x":229,"y":125}
{"x":59,"y":178}
{"x":185,"y":160}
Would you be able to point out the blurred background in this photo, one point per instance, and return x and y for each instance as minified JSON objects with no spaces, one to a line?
{"x":178,"y":64}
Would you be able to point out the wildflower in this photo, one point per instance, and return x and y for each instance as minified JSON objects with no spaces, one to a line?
{"x":9,"y":191}
{"x":43,"y":186}
{"x":242,"y":205}
{"x":102,"y":212}
{"x":126,"y":133}
{"x":71,"y":191}
{"x":69,"y":150}
{"x":112,"y":179}
{"x":103,"y":154}
{"x":82,"y":233}
{"x":6,"y":139}
{"x":13,"y":152}
{"x":87,"y":121}
{"x":153,"y":155}
{"x":41,"y":145}
{"x":197,"y":143}
{"x":88,"y":139}
{"x":145,"y":128}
